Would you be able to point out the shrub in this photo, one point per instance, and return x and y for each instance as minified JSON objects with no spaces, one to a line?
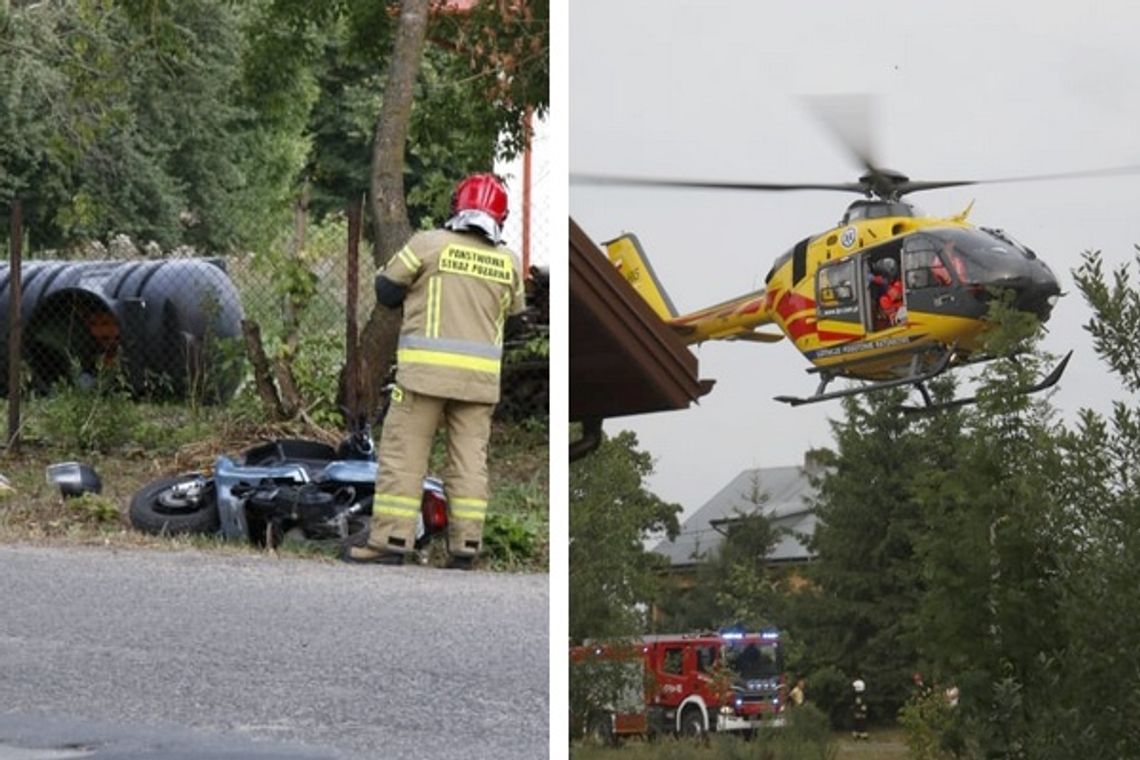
{"x":930,"y":725}
{"x":510,"y":538}
{"x":830,"y":689}
{"x":807,"y":735}
{"x":99,"y":418}
{"x":92,"y":508}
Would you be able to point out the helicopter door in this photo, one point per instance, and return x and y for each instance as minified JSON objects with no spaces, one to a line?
{"x":838,"y":297}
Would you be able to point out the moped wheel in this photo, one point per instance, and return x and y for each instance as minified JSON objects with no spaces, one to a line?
{"x":179,"y":504}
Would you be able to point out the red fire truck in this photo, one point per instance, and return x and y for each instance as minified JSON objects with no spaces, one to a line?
{"x":689,"y":684}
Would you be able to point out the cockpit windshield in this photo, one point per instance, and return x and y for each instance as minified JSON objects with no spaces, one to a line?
{"x":753,"y":660}
{"x":966,"y":256}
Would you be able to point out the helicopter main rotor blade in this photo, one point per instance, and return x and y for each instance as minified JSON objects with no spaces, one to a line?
{"x":848,"y":118}
{"x":610,"y":180}
{"x":916,"y":186}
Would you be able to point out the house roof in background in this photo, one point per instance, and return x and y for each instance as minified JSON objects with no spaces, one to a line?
{"x":786,"y":491}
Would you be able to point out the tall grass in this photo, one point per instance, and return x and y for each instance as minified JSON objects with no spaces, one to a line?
{"x":807,"y":736}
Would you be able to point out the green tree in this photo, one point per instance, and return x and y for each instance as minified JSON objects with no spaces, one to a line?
{"x":612,"y":577}
{"x":449,"y":108}
{"x":1096,"y":678}
{"x":866,"y":575}
{"x":992,"y":547}
{"x":732,"y":583}
{"x":125,"y":117}
{"x":404,"y":120}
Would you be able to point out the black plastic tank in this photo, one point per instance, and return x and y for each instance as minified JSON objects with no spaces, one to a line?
{"x":171,"y":326}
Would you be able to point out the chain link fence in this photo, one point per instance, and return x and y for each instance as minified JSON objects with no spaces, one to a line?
{"x":528,"y":232}
{"x":182,"y":327}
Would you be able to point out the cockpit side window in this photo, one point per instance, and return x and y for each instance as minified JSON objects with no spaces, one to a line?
{"x":931,"y":262}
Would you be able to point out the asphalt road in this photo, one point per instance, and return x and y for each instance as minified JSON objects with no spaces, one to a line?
{"x":140,"y":653}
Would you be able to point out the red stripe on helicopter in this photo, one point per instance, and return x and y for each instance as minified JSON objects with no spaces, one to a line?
{"x":797,"y":328}
{"x":793,"y":302}
{"x":751,"y":307}
{"x":828,"y":335}
{"x":723,"y":312}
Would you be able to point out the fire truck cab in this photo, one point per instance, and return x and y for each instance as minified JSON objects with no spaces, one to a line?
{"x":691,"y":684}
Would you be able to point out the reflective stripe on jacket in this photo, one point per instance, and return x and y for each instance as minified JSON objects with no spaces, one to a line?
{"x":460,"y":290}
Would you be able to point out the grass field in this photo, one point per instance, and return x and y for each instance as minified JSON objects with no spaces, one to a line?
{"x":169,"y":439}
{"x":888,"y":744}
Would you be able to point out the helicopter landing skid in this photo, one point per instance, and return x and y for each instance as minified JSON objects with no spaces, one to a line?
{"x":915,"y":375}
{"x":930,"y":406}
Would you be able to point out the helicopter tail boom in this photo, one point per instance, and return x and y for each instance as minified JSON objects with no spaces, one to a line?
{"x":732,"y":320}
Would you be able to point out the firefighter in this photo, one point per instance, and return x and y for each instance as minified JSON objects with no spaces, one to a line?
{"x":457,"y":285}
{"x":859,"y":710}
{"x":797,"y":696}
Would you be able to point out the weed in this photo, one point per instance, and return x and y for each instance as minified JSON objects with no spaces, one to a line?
{"x":518,"y":496}
{"x":316,"y":369}
{"x":534,"y":347}
{"x":508,"y":539}
{"x":931,"y":728}
{"x":295,"y":546}
{"x":534,"y":424}
{"x":97,"y":418}
{"x":91,"y":508}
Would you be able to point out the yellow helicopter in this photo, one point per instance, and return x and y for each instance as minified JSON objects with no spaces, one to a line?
{"x":888,"y":296}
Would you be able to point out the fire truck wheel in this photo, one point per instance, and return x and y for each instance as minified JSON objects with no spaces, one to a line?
{"x":601,"y":729}
{"x":692,"y":724}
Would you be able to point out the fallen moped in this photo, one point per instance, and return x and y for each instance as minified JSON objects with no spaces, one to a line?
{"x":282,"y":487}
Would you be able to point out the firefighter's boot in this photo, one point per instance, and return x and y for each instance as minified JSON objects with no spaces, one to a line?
{"x":468,"y":428}
{"x":405,"y":445}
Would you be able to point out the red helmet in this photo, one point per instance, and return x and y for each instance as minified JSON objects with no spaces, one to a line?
{"x":481,"y":192}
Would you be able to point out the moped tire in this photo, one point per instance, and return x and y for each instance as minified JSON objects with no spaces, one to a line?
{"x":160,"y":507}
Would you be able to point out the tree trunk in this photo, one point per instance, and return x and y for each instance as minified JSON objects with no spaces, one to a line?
{"x":377,"y":348}
{"x":389,"y":212}
{"x":262,"y":373}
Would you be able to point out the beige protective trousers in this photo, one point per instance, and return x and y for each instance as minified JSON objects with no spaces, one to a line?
{"x":405,"y":447}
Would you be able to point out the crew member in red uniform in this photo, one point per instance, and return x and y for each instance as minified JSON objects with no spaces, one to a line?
{"x":886,"y":287}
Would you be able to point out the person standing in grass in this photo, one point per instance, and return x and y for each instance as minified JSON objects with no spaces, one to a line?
{"x":859,"y":710}
{"x":796,"y":695}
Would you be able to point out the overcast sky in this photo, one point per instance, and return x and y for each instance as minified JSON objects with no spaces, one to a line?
{"x":963,"y":90}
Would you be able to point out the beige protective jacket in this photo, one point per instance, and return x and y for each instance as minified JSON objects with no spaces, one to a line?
{"x":460,"y":290}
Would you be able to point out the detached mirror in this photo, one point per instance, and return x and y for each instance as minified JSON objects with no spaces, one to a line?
{"x":73,"y":478}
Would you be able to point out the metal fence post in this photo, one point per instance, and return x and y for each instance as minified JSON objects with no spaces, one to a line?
{"x":352,"y":287}
{"x":15,"y":329}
